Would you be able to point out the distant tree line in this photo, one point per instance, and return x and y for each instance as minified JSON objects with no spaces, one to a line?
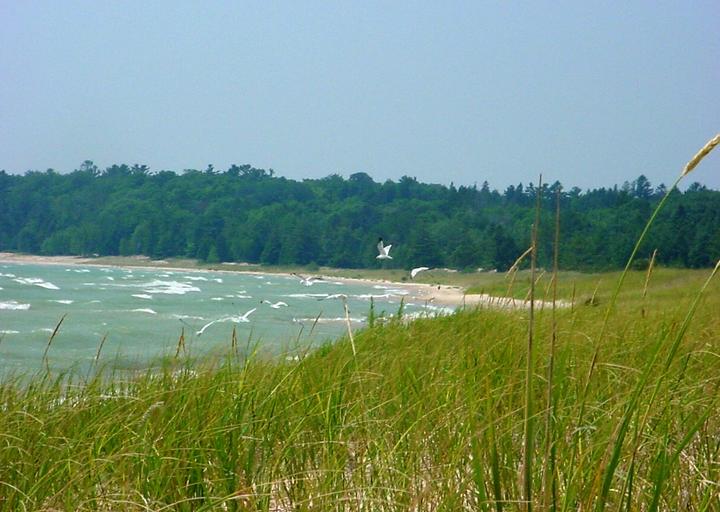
{"x":249,"y":214}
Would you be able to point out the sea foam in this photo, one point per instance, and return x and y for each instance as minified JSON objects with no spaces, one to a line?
{"x":328,"y":320}
{"x":145,"y":310}
{"x":169,"y":287}
{"x":37,"y":282}
{"x":187,"y":317}
{"x":305,"y":295}
{"x":14,"y":306}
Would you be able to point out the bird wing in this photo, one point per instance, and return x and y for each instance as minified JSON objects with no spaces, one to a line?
{"x":380,"y":247}
{"x":416,"y":271}
{"x":248,"y":313}
{"x":202,"y":329}
{"x":386,"y":249}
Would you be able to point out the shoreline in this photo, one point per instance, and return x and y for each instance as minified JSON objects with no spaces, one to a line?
{"x":444,"y":295}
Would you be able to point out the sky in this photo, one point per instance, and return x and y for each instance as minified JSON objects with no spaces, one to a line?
{"x":588,"y":93}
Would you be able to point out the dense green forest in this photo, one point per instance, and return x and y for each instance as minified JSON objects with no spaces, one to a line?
{"x":249,"y":214}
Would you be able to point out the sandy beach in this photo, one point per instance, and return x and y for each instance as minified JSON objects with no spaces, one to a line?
{"x":444,"y":295}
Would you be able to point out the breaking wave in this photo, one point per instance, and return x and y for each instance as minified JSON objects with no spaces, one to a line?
{"x":37,"y":282}
{"x":14,"y":306}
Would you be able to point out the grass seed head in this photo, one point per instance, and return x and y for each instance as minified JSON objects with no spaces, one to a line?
{"x":701,"y":154}
{"x":515,"y":266}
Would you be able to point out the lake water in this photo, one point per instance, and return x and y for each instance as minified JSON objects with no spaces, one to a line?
{"x":142,"y":313}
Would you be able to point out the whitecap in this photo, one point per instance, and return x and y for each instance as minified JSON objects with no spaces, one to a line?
{"x":217,"y":298}
{"x":63,"y":301}
{"x":110,"y":278}
{"x":187,"y":317}
{"x":396,"y":291}
{"x":169,"y":287}
{"x":439,"y":310}
{"x":218,"y":280}
{"x":328,"y":320}
{"x":142,"y":296}
{"x":195,"y":278}
{"x":371,"y":296}
{"x":14,"y":306}
{"x":37,"y":282}
{"x":8,"y":275}
{"x":9,"y":332}
{"x":305,"y":295}
{"x":145,"y":310}
{"x":243,"y":296}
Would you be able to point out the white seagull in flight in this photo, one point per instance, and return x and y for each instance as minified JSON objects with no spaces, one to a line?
{"x":383,"y":250}
{"x":277,"y":305}
{"x":307,"y":281}
{"x":417,"y":270}
{"x":236,"y":319}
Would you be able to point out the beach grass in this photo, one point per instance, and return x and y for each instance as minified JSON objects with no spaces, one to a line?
{"x":426,"y":415}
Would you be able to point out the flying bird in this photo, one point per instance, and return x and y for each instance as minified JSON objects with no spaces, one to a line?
{"x":417,"y":270}
{"x":236,"y":319}
{"x":307,"y":281}
{"x":383,"y":250}
{"x":243,"y":318}
{"x":202,"y":330}
{"x":277,"y":305}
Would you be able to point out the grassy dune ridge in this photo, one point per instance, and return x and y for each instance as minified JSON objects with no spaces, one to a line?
{"x":427,"y":416}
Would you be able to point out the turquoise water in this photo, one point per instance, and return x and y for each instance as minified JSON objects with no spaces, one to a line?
{"x":142,"y":313}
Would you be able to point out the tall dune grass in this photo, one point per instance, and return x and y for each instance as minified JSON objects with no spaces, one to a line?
{"x":426,"y":416}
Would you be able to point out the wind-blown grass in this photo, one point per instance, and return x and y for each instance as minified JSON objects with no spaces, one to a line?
{"x":427,"y":416}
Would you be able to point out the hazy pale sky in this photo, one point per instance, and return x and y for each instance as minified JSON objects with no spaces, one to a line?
{"x":590,"y":93}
